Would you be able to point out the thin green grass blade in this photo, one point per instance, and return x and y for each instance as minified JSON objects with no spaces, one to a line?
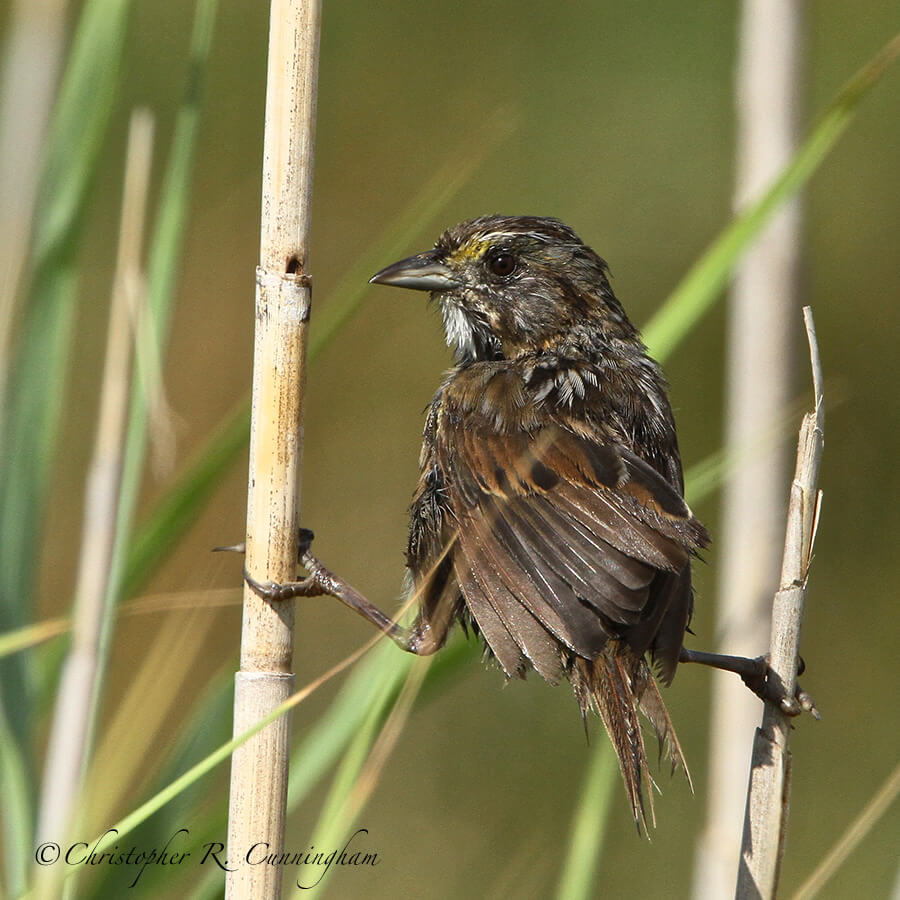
{"x":589,"y":825}
{"x":337,"y":814}
{"x":702,"y":285}
{"x":330,"y":824}
{"x":207,"y":726}
{"x":326,"y":740}
{"x":32,"y":635}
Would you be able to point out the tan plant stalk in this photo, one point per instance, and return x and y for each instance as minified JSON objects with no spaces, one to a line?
{"x":765,"y":819}
{"x":259,"y":768}
{"x":70,"y":734}
{"x":761,"y":309}
{"x":32,"y":53}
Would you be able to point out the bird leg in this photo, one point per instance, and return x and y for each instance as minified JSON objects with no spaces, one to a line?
{"x":320,"y":581}
{"x":759,"y":677}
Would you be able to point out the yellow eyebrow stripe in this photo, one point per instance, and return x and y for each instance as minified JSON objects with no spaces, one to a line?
{"x":474,"y":249}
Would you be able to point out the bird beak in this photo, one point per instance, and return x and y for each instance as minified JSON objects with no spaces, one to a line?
{"x":421,"y":273}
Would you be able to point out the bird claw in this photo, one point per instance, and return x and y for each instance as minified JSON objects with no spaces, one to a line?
{"x":276,"y":592}
{"x":767,"y":686}
{"x":320,"y":582}
{"x":314,"y":585}
{"x":807,"y":704}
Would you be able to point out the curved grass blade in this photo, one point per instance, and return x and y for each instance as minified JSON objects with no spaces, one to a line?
{"x":702,"y":285}
{"x":589,"y":825}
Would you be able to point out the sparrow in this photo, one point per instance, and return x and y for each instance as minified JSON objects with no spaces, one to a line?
{"x":549,"y":516}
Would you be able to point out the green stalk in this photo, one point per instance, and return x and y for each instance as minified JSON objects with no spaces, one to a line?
{"x":589,"y":825}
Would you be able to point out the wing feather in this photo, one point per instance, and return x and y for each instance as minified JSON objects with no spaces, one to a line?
{"x":538,"y":590}
{"x":574,"y":534}
{"x":569,"y":552}
{"x":498,"y":638}
{"x":530,"y":634}
{"x":579,"y":558}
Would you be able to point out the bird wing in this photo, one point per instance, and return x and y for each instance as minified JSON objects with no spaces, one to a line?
{"x":562,"y":540}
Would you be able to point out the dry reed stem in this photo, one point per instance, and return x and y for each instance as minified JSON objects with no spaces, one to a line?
{"x":259,"y":768}
{"x":761,"y":308}
{"x":74,"y":712}
{"x":32,"y":52}
{"x":765,"y":818}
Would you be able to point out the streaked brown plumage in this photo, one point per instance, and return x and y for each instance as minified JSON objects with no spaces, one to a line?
{"x":549,"y":513}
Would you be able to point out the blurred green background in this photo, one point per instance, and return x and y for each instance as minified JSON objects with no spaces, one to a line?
{"x":618,"y":119}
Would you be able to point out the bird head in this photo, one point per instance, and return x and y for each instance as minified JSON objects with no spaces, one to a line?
{"x":508,"y":285}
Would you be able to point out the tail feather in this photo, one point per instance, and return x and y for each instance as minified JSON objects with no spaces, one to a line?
{"x":651,"y":705}
{"x":618,"y":684}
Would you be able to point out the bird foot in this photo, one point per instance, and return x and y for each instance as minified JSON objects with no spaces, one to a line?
{"x":275,"y":591}
{"x":759,"y":677}
{"x":320,"y":581}
{"x":768,"y":687}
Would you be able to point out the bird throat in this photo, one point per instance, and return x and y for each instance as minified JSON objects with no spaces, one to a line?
{"x":471,"y":339}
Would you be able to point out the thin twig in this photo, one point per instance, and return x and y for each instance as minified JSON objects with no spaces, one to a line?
{"x":765,"y":818}
{"x":259,"y":768}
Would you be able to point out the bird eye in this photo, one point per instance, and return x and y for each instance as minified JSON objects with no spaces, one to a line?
{"x":502,"y":263}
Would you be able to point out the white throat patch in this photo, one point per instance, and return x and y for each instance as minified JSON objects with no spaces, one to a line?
{"x":458,"y":328}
